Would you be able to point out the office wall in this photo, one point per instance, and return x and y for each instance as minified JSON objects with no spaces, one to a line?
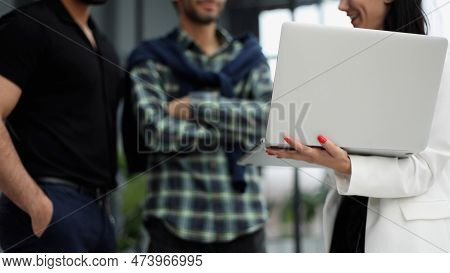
{"x":160,"y":17}
{"x":126,"y":23}
{"x":117,"y":19}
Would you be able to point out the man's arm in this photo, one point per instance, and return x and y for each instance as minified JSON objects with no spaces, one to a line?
{"x":15,"y":182}
{"x":239,"y":120}
{"x":161,"y":131}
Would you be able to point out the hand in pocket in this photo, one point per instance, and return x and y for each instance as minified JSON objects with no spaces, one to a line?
{"x":41,"y":215}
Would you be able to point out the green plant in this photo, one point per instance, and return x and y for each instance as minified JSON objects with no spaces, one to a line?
{"x":132,"y":198}
{"x":309,"y":204}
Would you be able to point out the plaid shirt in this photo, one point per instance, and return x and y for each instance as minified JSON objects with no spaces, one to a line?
{"x":191,"y":191}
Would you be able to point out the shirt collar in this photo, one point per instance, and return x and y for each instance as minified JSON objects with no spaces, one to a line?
{"x":186,"y":41}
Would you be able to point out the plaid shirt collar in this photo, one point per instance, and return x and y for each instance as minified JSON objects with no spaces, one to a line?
{"x":187,"y":42}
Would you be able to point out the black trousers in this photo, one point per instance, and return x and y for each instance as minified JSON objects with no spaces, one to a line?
{"x":75,"y":227}
{"x":162,"y":240}
{"x":350,"y":226}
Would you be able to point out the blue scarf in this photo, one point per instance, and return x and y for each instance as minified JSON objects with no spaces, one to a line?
{"x":190,"y":77}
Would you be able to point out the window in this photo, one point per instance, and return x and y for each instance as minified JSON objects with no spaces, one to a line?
{"x":270,"y":23}
{"x":308,"y":14}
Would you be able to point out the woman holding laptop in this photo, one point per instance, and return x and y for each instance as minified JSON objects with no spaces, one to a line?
{"x":386,"y":204}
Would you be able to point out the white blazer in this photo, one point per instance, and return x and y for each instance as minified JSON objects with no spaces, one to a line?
{"x":409,"y":199}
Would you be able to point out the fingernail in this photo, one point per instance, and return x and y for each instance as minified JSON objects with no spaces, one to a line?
{"x":287,"y":139}
{"x":322,"y":139}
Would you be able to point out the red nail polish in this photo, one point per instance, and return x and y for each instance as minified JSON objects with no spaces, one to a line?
{"x":287,"y":139}
{"x":322,"y":139}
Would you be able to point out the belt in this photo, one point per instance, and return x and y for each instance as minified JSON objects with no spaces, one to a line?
{"x":97,"y":193}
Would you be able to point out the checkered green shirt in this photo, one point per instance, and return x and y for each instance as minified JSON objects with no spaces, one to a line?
{"x":190,"y":187}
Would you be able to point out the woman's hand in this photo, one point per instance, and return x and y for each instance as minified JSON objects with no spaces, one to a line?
{"x":331,"y":156}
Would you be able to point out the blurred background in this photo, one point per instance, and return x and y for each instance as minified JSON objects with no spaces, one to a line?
{"x":295,"y":197}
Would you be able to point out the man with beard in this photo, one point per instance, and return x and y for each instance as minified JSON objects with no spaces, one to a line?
{"x":58,"y":101}
{"x":200,"y":97}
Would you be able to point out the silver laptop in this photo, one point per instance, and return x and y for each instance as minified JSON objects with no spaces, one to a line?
{"x":371,"y":92}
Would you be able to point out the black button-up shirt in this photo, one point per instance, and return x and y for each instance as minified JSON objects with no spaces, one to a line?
{"x":64,"y":125}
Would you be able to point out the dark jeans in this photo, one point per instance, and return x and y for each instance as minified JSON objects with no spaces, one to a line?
{"x":162,"y":240}
{"x":75,"y":227}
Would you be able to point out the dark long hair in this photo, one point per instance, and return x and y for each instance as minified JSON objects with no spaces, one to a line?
{"x":406,"y":16}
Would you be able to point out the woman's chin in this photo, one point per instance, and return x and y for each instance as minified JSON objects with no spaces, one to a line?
{"x":356,"y":23}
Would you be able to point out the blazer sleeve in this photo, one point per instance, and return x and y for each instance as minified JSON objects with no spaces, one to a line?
{"x":382,"y":177}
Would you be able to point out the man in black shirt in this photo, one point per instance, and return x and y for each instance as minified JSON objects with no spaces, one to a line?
{"x":58,"y":102}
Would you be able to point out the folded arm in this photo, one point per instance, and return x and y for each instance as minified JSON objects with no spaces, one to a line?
{"x":160,"y":131}
{"x":239,"y":120}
